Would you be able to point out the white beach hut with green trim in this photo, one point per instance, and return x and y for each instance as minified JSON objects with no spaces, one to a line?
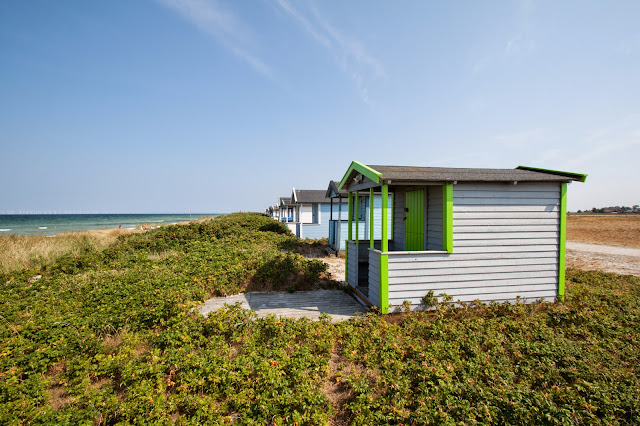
{"x":473,"y":234}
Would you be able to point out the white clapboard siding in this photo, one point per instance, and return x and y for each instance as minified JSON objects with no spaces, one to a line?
{"x":488,"y":215}
{"x":500,"y":242}
{"x":462,"y":194}
{"x":490,"y":297}
{"x":458,"y":264}
{"x":463,"y":208}
{"x":501,"y":187}
{"x":430,"y":279}
{"x":494,"y":221}
{"x":465,"y":291}
{"x":472,"y":284}
{"x":479,"y":201}
{"x":436,"y":258}
{"x":466,"y":271}
{"x":505,"y":245}
{"x":374,"y":278}
{"x":516,"y":247}
{"x":463,"y":228}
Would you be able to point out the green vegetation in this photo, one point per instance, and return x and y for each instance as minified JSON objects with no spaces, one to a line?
{"x":111,"y":337}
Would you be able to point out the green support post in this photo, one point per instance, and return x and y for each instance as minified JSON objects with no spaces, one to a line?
{"x":563,"y":240}
{"x":384,"y":256}
{"x":371,"y":218}
{"x":350,"y":234}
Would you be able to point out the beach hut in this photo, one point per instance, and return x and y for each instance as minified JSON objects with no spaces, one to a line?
{"x":473,"y":234}
{"x":313,"y":210}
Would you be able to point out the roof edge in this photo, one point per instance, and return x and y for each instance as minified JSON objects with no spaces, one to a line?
{"x":575,"y":176}
{"x":367,"y":171}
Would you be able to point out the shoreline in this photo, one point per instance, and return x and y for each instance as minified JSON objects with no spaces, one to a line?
{"x":53,"y":225}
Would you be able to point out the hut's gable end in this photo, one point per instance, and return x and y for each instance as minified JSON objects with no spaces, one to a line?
{"x":505,"y":245}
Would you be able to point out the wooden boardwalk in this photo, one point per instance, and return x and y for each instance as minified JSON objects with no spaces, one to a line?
{"x":310,"y":304}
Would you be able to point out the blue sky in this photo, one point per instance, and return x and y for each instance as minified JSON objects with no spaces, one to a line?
{"x":218,"y":106}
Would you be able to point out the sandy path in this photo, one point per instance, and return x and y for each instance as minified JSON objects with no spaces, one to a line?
{"x":621,"y":260}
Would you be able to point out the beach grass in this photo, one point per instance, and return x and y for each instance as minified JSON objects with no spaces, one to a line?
{"x":32,"y":251}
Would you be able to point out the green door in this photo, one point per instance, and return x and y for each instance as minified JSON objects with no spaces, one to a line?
{"x":414,"y":224}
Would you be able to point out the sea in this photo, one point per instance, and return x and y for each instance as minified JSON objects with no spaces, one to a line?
{"x":52,"y":224}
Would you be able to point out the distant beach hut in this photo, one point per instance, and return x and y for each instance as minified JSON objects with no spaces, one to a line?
{"x":474,"y":234}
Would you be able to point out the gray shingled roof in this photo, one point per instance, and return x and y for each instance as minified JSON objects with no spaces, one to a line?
{"x":286,"y":201}
{"x":438,"y":174}
{"x":312,"y":196}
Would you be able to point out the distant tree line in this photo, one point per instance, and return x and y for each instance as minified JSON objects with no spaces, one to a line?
{"x":616,"y":209}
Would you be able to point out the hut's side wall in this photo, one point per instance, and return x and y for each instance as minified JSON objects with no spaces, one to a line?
{"x":505,"y":245}
{"x":321,"y":229}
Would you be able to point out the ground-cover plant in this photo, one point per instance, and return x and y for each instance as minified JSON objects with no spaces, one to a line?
{"x":111,"y":337}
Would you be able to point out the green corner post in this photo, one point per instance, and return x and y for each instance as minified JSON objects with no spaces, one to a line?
{"x":563,"y":240}
{"x":384,"y":256}
{"x":447,"y":217}
{"x":371,"y":242}
{"x":350,"y":234}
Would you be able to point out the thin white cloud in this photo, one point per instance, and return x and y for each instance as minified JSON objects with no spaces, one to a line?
{"x":350,"y":53}
{"x":221,"y":24}
{"x":524,"y":139}
{"x":619,"y":138}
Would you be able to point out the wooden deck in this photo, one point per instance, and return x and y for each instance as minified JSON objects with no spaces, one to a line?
{"x":310,"y":304}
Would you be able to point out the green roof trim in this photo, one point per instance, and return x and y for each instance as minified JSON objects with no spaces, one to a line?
{"x":575,"y":176}
{"x":360,"y":168}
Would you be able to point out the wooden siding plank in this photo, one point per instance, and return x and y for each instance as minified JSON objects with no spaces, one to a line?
{"x":493,"y":221}
{"x":500,"y":248}
{"x":512,"y":296}
{"x":546,"y":208}
{"x":521,"y":187}
{"x":506,"y":242}
{"x":435,"y":258}
{"x":479,"y":201}
{"x":457,"y":236}
{"x":464,"y":215}
{"x":393,"y":294}
{"x":426,"y":279}
{"x":467,"y":271}
{"x":473,"y":284}
{"x":508,"y":228}
{"x":457,"y":263}
{"x":460,"y":194}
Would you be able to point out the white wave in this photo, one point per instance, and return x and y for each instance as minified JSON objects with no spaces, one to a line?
{"x":5,"y":230}
{"x":42,"y":227}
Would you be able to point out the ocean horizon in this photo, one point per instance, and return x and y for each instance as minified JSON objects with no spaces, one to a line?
{"x":52,"y":224}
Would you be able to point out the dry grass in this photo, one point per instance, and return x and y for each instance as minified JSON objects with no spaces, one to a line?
{"x":22,"y":251}
{"x":615,"y":230}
